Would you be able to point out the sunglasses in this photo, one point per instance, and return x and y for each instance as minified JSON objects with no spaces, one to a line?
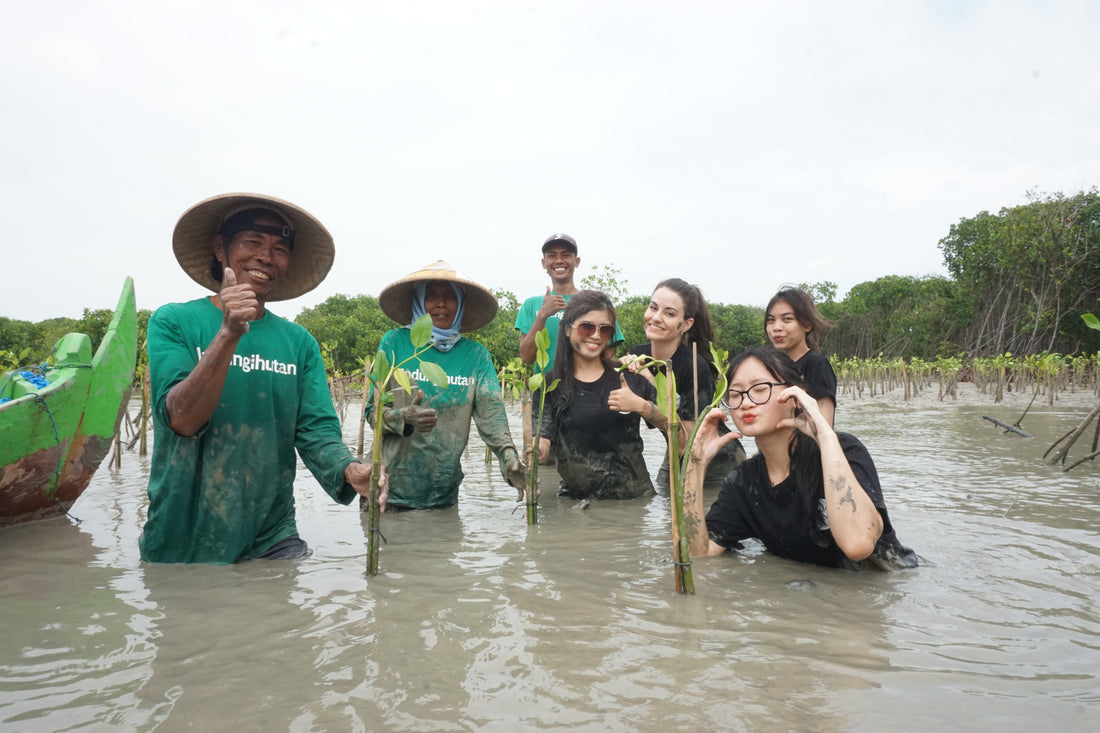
{"x":587,"y":329}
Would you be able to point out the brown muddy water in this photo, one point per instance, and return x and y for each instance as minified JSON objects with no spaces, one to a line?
{"x":479,"y":623}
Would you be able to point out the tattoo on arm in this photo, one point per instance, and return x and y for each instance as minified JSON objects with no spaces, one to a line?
{"x":841,"y":486}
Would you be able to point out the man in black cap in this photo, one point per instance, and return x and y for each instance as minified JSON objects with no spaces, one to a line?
{"x":560,"y":260}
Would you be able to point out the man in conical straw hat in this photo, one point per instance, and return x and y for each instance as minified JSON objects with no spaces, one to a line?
{"x":427,"y":433}
{"x":236,"y":389}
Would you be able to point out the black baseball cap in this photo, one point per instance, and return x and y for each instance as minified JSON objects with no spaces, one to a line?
{"x":560,"y":239}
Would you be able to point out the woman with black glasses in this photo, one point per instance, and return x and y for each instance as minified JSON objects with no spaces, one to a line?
{"x":810,"y":494}
{"x":591,"y":423}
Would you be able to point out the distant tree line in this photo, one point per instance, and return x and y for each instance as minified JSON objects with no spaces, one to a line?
{"x":25,"y":343}
{"x":1019,"y":283}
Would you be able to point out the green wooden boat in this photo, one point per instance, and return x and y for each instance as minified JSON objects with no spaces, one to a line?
{"x":53,"y":437}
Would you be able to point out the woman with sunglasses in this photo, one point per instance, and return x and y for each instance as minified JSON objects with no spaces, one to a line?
{"x":810,"y":494}
{"x":791,"y":322}
{"x":677,"y":319}
{"x":591,"y":422}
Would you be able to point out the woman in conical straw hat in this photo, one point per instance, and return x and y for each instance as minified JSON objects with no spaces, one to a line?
{"x":428,"y":431}
{"x":239,"y":393}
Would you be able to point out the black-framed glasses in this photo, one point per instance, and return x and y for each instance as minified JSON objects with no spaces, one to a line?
{"x":758,"y":394}
{"x":587,"y":329}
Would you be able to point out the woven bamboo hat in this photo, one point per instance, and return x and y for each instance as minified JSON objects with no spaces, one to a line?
{"x":396,"y":299}
{"x":310,"y":261}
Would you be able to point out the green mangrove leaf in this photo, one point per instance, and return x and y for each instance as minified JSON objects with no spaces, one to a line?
{"x":402,"y":378}
{"x":421,"y":331}
{"x":660,"y":381}
{"x":381,"y":368}
{"x":1091,"y":321}
{"x":536,"y":381}
{"x":434,"y":373}
{"x":553,"y":385}
{"x":542,"y":343}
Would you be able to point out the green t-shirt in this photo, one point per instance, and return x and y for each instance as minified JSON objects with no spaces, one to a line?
{"x":227,"y":493}
{"x":424,"y":468}
{"x":525,"y":319}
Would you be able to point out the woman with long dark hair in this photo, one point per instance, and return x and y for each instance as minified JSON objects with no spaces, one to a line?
{"x":792,"y":324}
{"x":810,"y":494}
{"x":678,"y":325}
{"x":591,"y":424}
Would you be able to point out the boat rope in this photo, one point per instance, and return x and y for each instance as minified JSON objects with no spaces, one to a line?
{"x":36,"y":376}
{"x":61,"y":459}
{"x":52,"y":491}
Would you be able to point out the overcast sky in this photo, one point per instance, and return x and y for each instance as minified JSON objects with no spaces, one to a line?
{"x":739,"y":145}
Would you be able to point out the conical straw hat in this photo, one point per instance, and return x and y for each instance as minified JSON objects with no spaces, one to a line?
{"x":396,"y":299}
{"x":310,"y":261}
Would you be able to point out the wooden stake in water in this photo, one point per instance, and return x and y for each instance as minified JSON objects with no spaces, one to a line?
{"x":531,"y":458}
{"x":681,"y":554}
{"x":538,"y":385}
{"x":144,"y":443}
{"x":374,"y":513}
{"x":363,"y":422}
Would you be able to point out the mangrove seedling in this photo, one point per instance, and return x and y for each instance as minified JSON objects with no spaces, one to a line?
{"x":513,"y":378}
{"x":382,"y":374}
{"x":537,"y":384}
{"x":665,"y":382}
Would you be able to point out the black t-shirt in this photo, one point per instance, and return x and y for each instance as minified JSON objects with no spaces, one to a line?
{"x":818,"y":374}
{"x":597,"y":450}
{"x":748,"y":506}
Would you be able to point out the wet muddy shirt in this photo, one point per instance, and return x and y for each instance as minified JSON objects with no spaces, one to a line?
{"x":597,"y":450}
{"x":789,"y":526}
{"x":425,"y":468}
{"x":227,"y":493}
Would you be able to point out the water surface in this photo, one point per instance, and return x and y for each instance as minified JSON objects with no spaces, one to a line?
{"x":478,"y":622}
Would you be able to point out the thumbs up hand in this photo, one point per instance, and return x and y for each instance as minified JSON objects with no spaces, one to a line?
{"x":551,"y":304}
{"x":238,"y":303}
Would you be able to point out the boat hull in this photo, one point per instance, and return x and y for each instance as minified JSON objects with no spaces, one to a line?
{"x":52,"y":440}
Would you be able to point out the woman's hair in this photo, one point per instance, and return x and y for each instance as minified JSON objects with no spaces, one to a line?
{"x":581,"y":302}
{"x":702,"y":330}
{"x":804,"y":454}
{"x":779,"y":365}
{"x":804,"y":310}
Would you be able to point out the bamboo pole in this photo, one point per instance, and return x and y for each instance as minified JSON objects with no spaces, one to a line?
{"x":531,"y":456}
{"x":143,"y":446}
{"x":362,"y":419}
{"x":681,"y":554}
{"x":695,"y":378}
{"x":374,"y":531}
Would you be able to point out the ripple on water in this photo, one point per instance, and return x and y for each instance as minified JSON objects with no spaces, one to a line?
{"x":480,"y":622}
